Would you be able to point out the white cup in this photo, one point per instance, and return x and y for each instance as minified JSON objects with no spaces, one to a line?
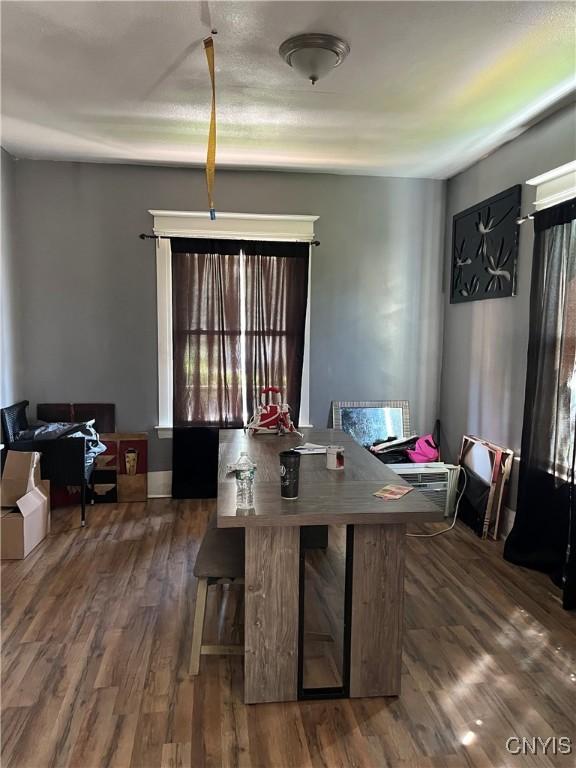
{"x":335,"y":457}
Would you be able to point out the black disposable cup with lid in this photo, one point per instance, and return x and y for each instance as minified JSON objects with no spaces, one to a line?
{"x":289,"y":474}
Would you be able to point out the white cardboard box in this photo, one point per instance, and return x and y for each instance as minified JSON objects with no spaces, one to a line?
{"x":21,"y":474}
{"x":26,"y":522}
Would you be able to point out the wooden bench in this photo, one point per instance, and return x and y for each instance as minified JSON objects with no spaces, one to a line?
{"x":220,"y":560}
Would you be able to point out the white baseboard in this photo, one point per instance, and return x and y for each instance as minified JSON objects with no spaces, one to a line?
{"x":160,"y":484}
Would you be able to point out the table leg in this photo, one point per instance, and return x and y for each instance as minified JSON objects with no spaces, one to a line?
{"x":271,"y":614}
{"x":377,"y":610}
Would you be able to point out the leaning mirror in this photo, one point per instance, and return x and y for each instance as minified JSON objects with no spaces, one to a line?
{"x":370,"y":420}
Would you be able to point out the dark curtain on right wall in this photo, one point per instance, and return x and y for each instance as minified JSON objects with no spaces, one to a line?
{"x":544,"y":536}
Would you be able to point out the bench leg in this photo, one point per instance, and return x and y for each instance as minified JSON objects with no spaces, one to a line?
{"x":83,"y":504}
{"x":198,"y":630}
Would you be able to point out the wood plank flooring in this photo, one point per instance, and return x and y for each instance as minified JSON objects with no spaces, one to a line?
{"x":96,"y":647}
{"x":324,"y":598}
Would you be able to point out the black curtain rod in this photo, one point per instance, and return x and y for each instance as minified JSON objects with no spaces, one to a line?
{"x":144,"y":236}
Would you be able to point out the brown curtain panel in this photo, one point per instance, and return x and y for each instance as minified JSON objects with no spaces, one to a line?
{"x":206,"y":332}
{"x":276,"y":277}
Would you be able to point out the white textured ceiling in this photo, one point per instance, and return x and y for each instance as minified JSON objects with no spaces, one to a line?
{"x":428,"y":88}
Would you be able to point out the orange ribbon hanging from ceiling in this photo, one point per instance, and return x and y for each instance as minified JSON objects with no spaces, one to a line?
{"x":211,"y":153}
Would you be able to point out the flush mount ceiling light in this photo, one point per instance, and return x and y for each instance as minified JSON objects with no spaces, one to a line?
{"x":314,"y":54}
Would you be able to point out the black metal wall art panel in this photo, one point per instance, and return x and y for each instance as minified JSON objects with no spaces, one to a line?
{"x":485,"y":248}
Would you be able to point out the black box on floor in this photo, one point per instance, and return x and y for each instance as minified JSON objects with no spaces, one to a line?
{"x":194,"y":462}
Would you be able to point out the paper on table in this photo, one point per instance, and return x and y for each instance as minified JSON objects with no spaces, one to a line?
{"x":310,"y":448}
{"x":392,"y":492}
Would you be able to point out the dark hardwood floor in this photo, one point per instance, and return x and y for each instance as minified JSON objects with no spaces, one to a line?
{"x":96,"y":645}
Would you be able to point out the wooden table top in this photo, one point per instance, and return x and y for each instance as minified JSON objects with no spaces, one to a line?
{"x":326,"y":497}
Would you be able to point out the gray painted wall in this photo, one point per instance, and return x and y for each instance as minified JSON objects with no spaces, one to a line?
{"x":11,"y":388}
{"x":486,"y":342}
{"x":90,"y":306}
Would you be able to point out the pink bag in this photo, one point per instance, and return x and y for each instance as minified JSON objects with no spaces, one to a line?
{"x":425,"y":450}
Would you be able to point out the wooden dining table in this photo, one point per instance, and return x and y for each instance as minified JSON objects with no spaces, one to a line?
{"x":376,"y":532}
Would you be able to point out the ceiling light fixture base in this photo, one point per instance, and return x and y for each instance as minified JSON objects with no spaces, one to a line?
{"x":314,"y":54}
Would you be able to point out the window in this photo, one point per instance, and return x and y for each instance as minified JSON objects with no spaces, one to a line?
{"x":241,"y":277}
{"x":543,"y":525}
{"x":208,"y":367}
{"x":558,"y":292}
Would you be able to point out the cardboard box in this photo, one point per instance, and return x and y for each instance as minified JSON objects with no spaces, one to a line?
{"x":21,"y":475}
{"x":45,"y":487}
{"x":26,"y":522}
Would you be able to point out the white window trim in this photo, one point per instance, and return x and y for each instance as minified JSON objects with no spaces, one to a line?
{"x":232,"y":226}
{"x":165,"y":358}
{"x":555,"y":186}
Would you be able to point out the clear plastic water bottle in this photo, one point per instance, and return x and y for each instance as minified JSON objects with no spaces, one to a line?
{"x":244,"y":470}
